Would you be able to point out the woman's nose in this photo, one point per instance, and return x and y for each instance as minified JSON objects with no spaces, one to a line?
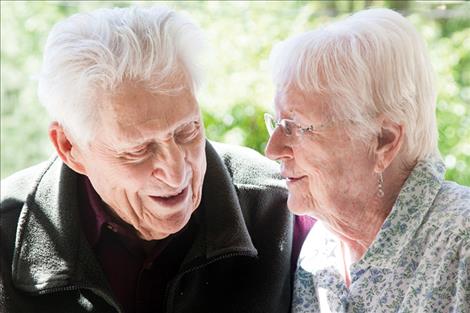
{"x":278,"y":147}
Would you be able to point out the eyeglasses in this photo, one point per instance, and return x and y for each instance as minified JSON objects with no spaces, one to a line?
{"x":291,"y":128}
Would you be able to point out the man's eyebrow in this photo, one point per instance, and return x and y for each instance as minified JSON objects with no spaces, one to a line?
{"x":138,"y":144}
{"x":130,"y":147}
{"x":183,"y":125}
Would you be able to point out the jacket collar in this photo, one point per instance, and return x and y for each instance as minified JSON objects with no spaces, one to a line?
{"x":224,"y":231}
{"x":52,"y":252}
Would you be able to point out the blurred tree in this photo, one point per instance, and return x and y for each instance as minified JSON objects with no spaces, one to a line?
{"x":238,"y":89}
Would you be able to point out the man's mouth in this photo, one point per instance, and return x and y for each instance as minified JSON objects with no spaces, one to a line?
{"x":172,"y":200}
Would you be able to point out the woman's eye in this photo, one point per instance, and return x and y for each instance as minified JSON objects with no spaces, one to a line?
{"x":187,"y":132}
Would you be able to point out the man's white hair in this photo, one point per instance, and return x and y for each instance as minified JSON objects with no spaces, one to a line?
{"x":91,"y":54}
{"x":373,"y":62}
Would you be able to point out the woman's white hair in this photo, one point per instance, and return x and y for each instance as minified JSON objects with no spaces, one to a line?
{"x":91,"y":54}
{"x":373,"y":62}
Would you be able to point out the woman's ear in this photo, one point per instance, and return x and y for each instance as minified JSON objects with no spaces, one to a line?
{"x":389,"y":143}
{"x":68,"y":151}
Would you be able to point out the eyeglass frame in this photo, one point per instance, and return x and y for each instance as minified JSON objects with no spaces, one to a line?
{"x":270,"y":121}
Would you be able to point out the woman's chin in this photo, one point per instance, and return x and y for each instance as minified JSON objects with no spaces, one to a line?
{"x":297,"y":206}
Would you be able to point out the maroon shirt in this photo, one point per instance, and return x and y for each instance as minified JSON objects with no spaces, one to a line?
{"x":302,"y":225}
{"x":137,"y":270}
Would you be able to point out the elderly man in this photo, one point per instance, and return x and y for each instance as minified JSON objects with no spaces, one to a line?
{"x":139,"y":213}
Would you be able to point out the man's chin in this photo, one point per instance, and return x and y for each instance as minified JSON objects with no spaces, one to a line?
{"x":166,"y":226}
{"x":158,"y":234}
{"x":152,"y":236}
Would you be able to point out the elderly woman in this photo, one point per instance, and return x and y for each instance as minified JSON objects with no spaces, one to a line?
{"x":355,"y":133}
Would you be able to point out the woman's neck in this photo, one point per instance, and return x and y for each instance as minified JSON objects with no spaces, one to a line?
{"x":355,"y":239}
{"x":358,"y":232}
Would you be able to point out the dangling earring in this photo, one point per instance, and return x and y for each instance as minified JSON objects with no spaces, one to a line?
{"x":380,"y":189}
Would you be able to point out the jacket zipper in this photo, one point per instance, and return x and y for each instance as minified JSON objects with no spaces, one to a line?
{"x":96,"y":291}
{"x":170,"y":291}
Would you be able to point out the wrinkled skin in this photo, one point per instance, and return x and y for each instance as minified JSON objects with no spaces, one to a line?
{"x":331,"y":174}
{"x":147,"y":160}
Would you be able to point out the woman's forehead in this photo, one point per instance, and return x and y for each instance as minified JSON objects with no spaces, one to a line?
{"x":293,"y":102}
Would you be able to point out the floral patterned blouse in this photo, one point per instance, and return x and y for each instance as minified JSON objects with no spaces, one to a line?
{"x":419,"y":261}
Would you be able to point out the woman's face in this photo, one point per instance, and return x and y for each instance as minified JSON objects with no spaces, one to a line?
{"x":329,"y":175}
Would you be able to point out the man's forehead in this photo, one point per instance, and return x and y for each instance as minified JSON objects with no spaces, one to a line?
{"x":134,"y":104}
{"x":135,"y":115}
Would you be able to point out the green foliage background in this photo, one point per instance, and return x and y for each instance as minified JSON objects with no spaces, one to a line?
{"x":238,"y":89}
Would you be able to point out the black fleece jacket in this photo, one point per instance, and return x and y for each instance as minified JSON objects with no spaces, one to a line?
{"x":239,"y":260}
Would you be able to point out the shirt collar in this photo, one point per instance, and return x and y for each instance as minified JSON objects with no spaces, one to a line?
{"x":412,"y":205}
{"x":92,"y":212}
{"x":320,"y":251}
{"x":321,"y":248}
{"x":98,"y":217}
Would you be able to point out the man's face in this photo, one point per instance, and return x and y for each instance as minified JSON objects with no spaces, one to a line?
{"x":147,"y":161}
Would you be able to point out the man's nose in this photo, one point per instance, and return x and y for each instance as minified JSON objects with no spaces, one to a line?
{"x":169,"y":164}
{"x":277,"y":147}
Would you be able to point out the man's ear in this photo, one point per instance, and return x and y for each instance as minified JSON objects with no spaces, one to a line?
{"x":389,"y":143}
{"x":68,"y":151}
